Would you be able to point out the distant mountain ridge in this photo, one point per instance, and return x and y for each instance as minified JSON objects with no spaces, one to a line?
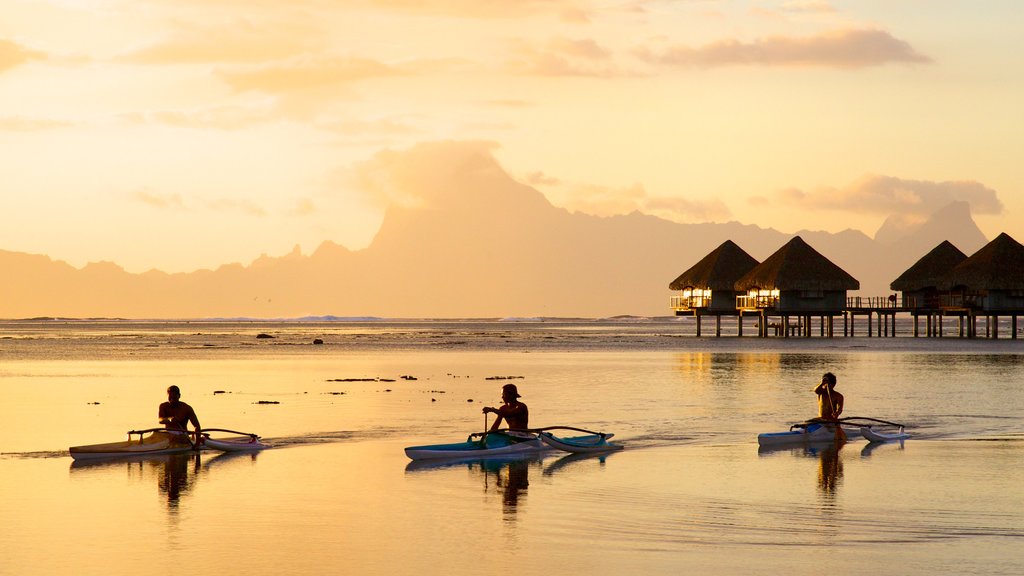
{"x":480,"y":245}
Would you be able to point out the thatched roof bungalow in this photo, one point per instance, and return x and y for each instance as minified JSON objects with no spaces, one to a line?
{"x":796,"y":279}
{"x":709,"y":284}
{"x":992,"y":279}
{"x":920,"y":284}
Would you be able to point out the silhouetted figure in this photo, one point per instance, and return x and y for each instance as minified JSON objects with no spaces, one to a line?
{"x":176,"y":415}
{"x":513,"y":412}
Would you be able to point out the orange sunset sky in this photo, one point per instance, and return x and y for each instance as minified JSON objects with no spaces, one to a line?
{"x":185,"y":134}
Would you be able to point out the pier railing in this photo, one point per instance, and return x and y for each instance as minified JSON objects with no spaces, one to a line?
{"x":759,"y":302}
{"x":689,"y":302}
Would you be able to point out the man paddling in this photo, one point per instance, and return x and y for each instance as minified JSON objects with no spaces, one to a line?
{"x":830,"y":402}
{"x":176,"y":415}
{"x":514,"y":412}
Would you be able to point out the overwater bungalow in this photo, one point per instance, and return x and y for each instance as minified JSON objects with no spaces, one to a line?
{"x":989,"y":283}
{"x":707,"y":288}
{"x":920,"y":285}
{"x":795,"y":282}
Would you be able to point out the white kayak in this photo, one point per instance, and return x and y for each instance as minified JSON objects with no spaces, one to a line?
{"x":159,"y":441}
{"x":815,"y":432}
{"x":589,"y":444}
{"x":875,"y":436}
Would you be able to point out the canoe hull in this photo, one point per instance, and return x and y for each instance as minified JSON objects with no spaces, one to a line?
{"x":156,"y":443}
{"x":495,"y":444}
{"x":813,"y":433}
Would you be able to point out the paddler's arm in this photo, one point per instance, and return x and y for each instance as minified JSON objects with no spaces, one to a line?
{"x":199,"y":430}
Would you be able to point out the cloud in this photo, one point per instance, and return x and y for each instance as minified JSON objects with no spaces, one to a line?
{"x":850,"y":48}
{"x":565,"y":10}
{"x":175,"y":201}
{"x":220,"y":117}
{"x":13,"y":55}
{"x":808,"y":6}
{"x":19,"y":124}
{"x":305,"y":74}
{"x":240,"y":42}
{"x":423,"y":175}
{"x":162,"y":201}
{"x":610,"y":201}
{"x":888,"y":195}
{"x":563,"y":57}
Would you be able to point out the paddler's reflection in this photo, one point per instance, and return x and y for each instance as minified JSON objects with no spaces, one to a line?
{"x":173,"y":478}
{"x":511,"y":478}
{"x":830,"y":468}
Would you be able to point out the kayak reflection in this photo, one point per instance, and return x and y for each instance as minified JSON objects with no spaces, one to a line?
{"x":175,"y":475}
{"x":830,"y":464}
{"x":508,"y":476}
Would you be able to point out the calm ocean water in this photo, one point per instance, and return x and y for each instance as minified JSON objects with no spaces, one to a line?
{"x":691,"y":493}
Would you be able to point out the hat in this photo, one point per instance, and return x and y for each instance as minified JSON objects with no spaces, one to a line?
{"x":511,"y":388}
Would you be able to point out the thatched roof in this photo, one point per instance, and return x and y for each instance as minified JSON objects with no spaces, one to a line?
{"x":797,"y":266}
{"x":719,"y":270}
{"x":999,"y":265}
{"x":931,"y":269}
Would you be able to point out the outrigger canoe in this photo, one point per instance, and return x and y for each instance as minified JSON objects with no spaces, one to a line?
{"x":803,"y":434}
{"x":818,"y":431}
{"x":513,"y":443}
{"x":159,"y":441}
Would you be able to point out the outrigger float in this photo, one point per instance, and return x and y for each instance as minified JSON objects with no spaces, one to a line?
{"x":510,"y":442}
{"x":817,"y":430}
{"x":160,"y":441}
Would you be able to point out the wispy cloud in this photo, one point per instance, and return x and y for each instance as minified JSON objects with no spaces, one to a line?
{"x":848,"y":48}
{"x":888,"y":195}
{"x":808,"y":6}
{"x":305,"y":74}
{"x":238,"y":42}
{"x":564,"y":57}
{"x":157,"y":200}
{"x":566,"y":10}
{"x":175,"y":201}
{"x":13,"y":55}
{"x":611,"y":201}
{"x":21,"y":124}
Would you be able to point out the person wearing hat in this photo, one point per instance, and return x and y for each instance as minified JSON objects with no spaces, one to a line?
{"x":513,"y":412}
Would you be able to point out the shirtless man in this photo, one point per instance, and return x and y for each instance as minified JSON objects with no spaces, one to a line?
{"x":176,"y":415}
{"x":514,"y":412}
{"x":830,"y":402}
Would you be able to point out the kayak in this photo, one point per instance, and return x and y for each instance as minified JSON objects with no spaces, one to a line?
{"x":814,"y":432}
{"x":589,"y":444}
{"x":159,"y":441}
{"x":514,"y":443}
{"x":876,"y":436}
{"x":480,"y":445}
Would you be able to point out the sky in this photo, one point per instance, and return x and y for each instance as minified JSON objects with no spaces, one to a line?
{"x":187,"y":134}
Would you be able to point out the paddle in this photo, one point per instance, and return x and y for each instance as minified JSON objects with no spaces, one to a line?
{"x":840,"y":433}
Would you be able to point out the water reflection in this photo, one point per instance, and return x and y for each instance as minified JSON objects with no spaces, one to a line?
{"x":175,"y":475}
{"x":509,"y":478}
{"x":830,"y":463}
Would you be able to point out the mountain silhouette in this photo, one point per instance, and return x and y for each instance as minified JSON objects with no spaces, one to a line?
{"x":467,"y":241}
